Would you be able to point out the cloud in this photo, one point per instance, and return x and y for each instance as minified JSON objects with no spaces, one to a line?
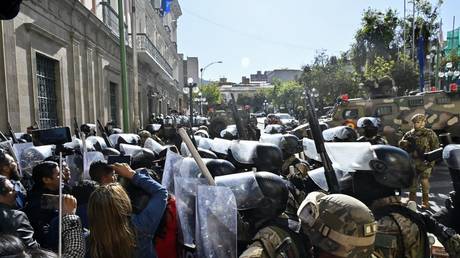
{"x":245,"y":62}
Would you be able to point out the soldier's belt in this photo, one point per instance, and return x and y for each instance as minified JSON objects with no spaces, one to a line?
{"x":369,"y":229}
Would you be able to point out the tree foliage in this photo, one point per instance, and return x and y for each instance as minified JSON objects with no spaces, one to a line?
{"x":212,"y":94}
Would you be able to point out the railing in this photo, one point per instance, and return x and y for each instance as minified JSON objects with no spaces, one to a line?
{"x":110,"y":18}
{"x":144,"y":43}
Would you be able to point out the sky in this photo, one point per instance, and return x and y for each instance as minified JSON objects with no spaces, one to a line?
{"x":259,"y":35}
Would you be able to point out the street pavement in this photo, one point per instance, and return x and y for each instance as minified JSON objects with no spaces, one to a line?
{"x":441,"y":185}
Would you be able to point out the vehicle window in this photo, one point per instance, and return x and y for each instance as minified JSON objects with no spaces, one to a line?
{"x":384,"y":110}
{"x":443,"y":100}
{"x":416,"y":102}
{"x":350,"y":114}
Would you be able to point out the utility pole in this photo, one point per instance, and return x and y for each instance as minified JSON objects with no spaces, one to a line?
{"x":453,"y":35}
{"x":413,"y":32}
{"x":404,"y":34}
{"x":124,"y":72}
{"x":438,"y":50}
{"x":136,"y":99}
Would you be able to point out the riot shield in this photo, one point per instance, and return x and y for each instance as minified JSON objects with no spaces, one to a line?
{"x":339,"y":133}
{"x":32,"y":156}
{"x":275,"y":129}
{"x":231,"y":129}
{"x":129,"y":149}
{"x":276,"y":139}
{"x":244,"y":152}
{"x":75,"y":164}
{"x":221,"y":146}
{"x":154,"y":146}
{"x":185,"y":190}
{"x":319,"y":178}
{"x":347,"y":156}
{"x":245,"y":188}
{"x":98,"y":142}
{"x":216,"y":222}
{"x":172,"y":167}
{"x":88,"y":158}
{"x":18,"y":149}
{"x":205,"y":143}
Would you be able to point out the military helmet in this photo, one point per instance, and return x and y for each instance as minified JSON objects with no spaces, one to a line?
{"x":417,"y":118}
{"x":275,"y":192}
{"x":392,"y":166}
{"x":144,"y":134}
{"x":338,"y":224}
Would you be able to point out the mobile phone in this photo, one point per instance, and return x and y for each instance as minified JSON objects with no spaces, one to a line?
{"x":56,"y":136}
{"x":112,"y":159}
{"x":49,"y":202}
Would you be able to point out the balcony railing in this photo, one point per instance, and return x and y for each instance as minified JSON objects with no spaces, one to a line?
{"x":144,"y":43}
{"x":110,"y":18}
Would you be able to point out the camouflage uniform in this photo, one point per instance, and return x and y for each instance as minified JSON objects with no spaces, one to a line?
{"x":276,"y":241}
{"x":452,"y":246}
{"x":397,"y":235}
{"x":338,"y":225}
{"x":417,"y":142}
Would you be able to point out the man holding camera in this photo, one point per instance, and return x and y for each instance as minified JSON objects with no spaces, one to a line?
{"x":417,"y":142}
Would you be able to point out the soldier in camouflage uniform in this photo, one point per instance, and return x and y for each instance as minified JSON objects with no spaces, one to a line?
{"x":400,"y":231}
{"x":447,"y":236}
{"x":273,"y":233}
{"x":338,"y":225}
{"x":417,"y":142}
{"x":369,"y":127}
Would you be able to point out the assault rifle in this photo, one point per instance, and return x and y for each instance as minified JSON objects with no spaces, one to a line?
{"x":317,"y":135}
{"x":104,"y":134}
{"x":76,"y":128}
{"x":10,"y":131}
{"x":242,"y":134}
{"x":3,"y":137}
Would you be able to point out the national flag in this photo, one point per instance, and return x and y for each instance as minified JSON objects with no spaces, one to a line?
{"x":421,"y":61}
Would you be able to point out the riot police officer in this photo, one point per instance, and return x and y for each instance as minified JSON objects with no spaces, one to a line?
{"x":370,"y":127}
{"x":417,"y":142}
{"x":338,"y":225}
{"x":401,"y":231}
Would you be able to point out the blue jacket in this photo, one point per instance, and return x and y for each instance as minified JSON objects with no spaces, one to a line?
{"x":146,"y":222}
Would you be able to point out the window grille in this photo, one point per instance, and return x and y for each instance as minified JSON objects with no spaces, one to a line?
{"x":46,"y":84}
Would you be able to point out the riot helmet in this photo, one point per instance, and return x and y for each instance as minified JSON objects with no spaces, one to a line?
{"x":220,"y":167}
{"x":369,"y":126}
{"x":338,"y":224}
{"x":143,"y":159}
{"x":340,"y":134}
{"x":260,"y":196}
{"x":291,"y":144}
{"x":206,"y":154}
{"x":268,"y":157}
{"x":88,"y":129}
{"x":451,"y":156}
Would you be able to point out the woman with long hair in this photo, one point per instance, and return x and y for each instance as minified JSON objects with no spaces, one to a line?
{"x":115,"y":231}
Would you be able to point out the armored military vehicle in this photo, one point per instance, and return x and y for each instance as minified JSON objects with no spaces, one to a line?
{"x":441,"y":108}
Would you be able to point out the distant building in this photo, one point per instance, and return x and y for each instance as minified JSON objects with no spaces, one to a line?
{"x":246,"y":89}
{"x":259,"y":77}
{"x":283,"y":75}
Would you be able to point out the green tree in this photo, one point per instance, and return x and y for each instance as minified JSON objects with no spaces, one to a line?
{"x":212,"y":94}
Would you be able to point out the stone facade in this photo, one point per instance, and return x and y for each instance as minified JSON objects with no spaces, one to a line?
{"x":78,"y":42}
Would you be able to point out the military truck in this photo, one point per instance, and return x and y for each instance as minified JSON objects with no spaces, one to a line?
{"x":441,"y":108}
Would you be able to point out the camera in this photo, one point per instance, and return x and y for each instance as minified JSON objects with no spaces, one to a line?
{"x":112,"y":159}
{"x":56,"y":136}
{"x":49,"y":202}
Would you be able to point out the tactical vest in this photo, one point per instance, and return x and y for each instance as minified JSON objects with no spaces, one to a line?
{"x":279,"y":241}
{"x":389,"y":243}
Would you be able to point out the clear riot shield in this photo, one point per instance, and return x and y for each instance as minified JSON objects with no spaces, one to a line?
{"x":346,"y":156}
{"x":75,"y":164}
{"x":88,"y":158}
{"x":18,"y":149}
{"x":172,"y":167}
{"x":205,"y":143}
{"x":244,"y":187}
{"x":154,"y":146}
{"x":244,"y":151}
{"x":276,"y":139}
{"x":129,"y":149}
{"x":221,"y":146}
{"x":185,"y":190}
{"x":30,"y":157}
{"x":216,"y":222}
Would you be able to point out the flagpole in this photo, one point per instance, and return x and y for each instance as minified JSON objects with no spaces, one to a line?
{"x":404,"y":33}
{"x":453,"y":35}
{"x":438,"y":50}
{"x":413,"y":32}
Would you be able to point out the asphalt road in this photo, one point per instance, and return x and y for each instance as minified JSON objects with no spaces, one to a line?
{"x":441,"y":185}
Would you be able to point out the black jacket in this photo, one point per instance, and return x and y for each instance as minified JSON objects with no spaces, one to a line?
{"x":17,"y":223}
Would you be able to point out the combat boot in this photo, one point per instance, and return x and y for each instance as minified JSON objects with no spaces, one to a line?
{"x":425,"y":203}
{"x":413,"y":196}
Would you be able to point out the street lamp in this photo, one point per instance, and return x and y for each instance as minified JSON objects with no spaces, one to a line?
{"x":265,"y":104}
{"x":191,"y":88}
{"x":204,"y":68}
